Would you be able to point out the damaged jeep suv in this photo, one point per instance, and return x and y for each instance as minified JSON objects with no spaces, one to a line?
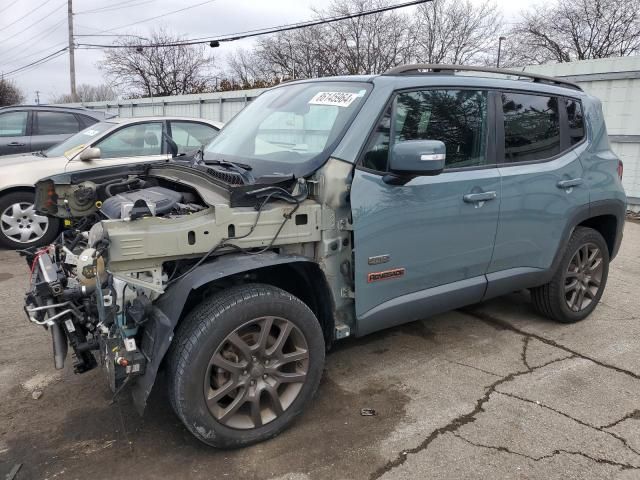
{"x":327,"y":208}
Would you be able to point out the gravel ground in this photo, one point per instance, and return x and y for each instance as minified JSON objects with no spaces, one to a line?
{"x":491,"y":391}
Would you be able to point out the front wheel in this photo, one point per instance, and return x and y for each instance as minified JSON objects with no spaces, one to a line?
{"x":577,"y":286}
{"x":244,"y":364}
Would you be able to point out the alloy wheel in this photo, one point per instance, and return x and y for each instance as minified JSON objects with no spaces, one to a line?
{"x":583,"y":277}
{"x":22,"y":224}
{"x":256,"y":373}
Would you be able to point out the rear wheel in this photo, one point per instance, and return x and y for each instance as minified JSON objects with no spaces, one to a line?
{"x":244,"y":364}
{"x":577,"y":286}
{"x":21,"y":226}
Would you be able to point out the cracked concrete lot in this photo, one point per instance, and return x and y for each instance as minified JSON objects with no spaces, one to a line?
{"x":489,"y":392}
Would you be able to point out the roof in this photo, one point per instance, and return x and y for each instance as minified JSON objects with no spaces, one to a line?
{"x":418,"y":75}
{"x":84,"y":111}
{"x":167,"y":117}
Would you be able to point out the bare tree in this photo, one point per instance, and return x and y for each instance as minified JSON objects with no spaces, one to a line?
{"x":88,"y":93}
{"x":10,"y":94}
{"x":160,"y":70}
{"x":442,"y":31}
{"x":455,"y":32}
{"x":576,"y":30}
{"x":367,"y":44}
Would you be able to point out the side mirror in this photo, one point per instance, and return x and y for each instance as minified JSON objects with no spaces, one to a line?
{"x":417,"y":157}
{"x":88,"y":154}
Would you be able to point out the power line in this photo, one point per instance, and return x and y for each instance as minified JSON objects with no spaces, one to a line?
{"x":25,"y":15}
{"x":45,"y":17}
{"x":40,"y":61}
{"x":115,"y":6}
{"x":259,"y":32}
{"x":9,"y":6}
{"x":157,"y":16}
{"x":25,"y":47}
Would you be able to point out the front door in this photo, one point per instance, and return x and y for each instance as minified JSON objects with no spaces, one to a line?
{"x":426,"y":245}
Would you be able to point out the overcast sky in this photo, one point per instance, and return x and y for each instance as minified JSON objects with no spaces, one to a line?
{"x":32,"y":29}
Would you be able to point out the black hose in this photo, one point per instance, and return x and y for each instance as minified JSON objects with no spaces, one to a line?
{"x":119,"y":184}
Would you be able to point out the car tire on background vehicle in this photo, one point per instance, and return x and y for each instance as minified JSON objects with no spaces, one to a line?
{"x":578,"y":284}
{"x":21,"y":226}
{"x":244,"y":364}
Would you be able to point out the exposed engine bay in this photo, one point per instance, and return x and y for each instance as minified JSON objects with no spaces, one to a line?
{"x":137,"y":237}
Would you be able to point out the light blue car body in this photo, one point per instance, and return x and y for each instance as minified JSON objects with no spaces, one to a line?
{"x":456,"y":253}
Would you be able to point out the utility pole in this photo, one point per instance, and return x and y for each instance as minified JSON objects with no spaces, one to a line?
{"x":37,"y":97}
{"x":72,"y":61}
{"x":500,"y":40}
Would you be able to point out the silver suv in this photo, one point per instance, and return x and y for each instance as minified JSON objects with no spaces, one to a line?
{"x":30,"y":128}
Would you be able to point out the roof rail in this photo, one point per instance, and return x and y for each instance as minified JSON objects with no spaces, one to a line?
{"x":421,"y":68}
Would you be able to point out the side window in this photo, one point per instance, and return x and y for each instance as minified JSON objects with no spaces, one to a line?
{"x":576,"y":121}
{"x":133,"y":141}
{"x":55,"y":123}
{"x":458,"y":118}
{"x":531,"y":127}
{"x":191,"y":135}
{"x":13,"y":124}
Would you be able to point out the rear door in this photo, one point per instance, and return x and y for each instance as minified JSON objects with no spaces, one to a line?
{"x":428,"y":238}
{"x":542,"y":181}
{"x":14,"y":132}
{"x":52,"y":127}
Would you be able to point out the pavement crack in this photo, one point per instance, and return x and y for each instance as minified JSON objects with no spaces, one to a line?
{"x":503,"y":325}
{"x":475,"y":368}
{"x":493,"y":447}
{"x":623,"y":466}
{"x":525,"y":341}
{"x":603,"y":461}
{"x":577,"y":420}
{"x":635,"y":415}
{"x":457,"y":422}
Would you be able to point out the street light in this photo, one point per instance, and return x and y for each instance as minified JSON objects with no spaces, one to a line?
{"x":499,"y":50}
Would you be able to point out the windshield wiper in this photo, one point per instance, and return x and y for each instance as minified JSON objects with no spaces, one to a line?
{"x":39,"y":153}
{"x":228,"y":164}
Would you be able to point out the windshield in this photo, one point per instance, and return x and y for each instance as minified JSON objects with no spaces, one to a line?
{"x":289,"y":129}
{"x":77,"y":142}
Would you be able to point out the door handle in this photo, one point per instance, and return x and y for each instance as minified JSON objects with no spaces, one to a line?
{"x":16,"y":144}
{"x":574,"y":182}
{"x":479,"y":197}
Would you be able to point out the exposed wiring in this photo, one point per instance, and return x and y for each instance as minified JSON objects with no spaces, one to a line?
{"x":223,"y":242}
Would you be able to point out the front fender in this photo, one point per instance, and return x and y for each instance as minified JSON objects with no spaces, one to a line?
{"x":158,"y":332}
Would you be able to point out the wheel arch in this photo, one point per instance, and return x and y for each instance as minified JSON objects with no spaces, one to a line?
{"x":17,"y":188}
{"x":604,"y":216}
{"x":298,"y":275}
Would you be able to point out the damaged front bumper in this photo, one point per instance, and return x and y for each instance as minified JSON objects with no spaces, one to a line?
{"x":103,"y":320}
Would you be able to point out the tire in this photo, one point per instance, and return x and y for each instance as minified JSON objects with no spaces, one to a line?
{"x":18,"y":222}
{"x":211,"y":332}
{"x":559,"y":299}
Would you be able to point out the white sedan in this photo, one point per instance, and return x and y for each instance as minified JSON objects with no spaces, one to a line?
{"x":111,"y":142}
